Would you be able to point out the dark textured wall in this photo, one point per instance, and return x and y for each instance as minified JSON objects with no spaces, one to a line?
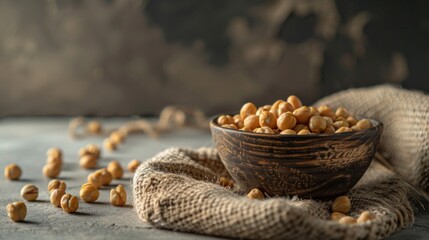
{"x":134,"y":57}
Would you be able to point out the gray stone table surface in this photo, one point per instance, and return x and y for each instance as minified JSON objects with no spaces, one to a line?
{"x":25,"y":140}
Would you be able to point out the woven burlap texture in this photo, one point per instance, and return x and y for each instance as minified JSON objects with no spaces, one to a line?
{"x":179,"y":189}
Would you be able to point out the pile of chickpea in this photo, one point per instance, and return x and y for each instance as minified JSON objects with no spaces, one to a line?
{"x":291,"y":117}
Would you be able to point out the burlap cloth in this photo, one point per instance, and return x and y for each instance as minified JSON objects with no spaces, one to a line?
{"x":178,"y":188}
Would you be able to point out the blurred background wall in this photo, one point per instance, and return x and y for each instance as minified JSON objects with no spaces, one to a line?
{"x":100,"y":57}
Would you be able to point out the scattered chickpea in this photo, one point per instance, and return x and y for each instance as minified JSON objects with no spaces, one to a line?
{"x":335,"y":216}
{"x":118,"y":138}
{"x":286,"y":121}
{"x":225,"y":182}
{"x":267,"y":119}
{"x":317,"y":124}
{"x":302,"y":114}
{"x":56,"y":196}
{"x":69,"y":203}
{"x":294,"y":100}
{"x":12,"y":172}
{"x":104,"y":176}
{"x":51,"y":170}
{"x":89,"y":193}
{"x":288,"y":132}
{"x":109,"y":145}
{"x":16,"y":211}
{"x":54,"y":152}
{"x":230,"y":126}
{"x":29,"y":192}
{"x":94,"y":127}
{"x":88,"y":161}
{"x":247,"y":109}
{"x":118,"y":196}
{"x":364,"y":124}
{"x":133,"y":165}
{"x":115,"y":169}
{"x":255,"y":194}
{"x":94,"y":150}
{"x":56,"y":184}
{"x":347,"y":220}
{"x":341,"y":204}
{"x":95,"y":178}
{"x":252,"y":122}
{"x":365,"y":216}
{"x":54,"y":160}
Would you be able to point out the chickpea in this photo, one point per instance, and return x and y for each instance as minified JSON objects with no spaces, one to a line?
{"x":12,"y":172}
{"x":351,"y":120}
{"x":225,"y":119}
{"x":317,"y":124}
{"x":275,"y":113}
{"x":54,"y":152}
{"x":88,"y":161}
{"x":285,"y":107}
{"x":344,"y":129}
{"x":251,"y":122}
{"x":314,"y":111}
{"x":264,"y":129}
{"x":339,"y":119}
{"x":95,"y":179}
{"x":294,"y":100}
{"x":355,"y":128}
{"x":340,"y":124}
{"x":347,"y":220}
{"x":69,"y":203}
{"x":262,"y":109}
{"x":51,"y":170}
{"x":109,"y":145}
{"x":118,"y":138}
{"x":225,"y":182}
{"x":56,"y":184}
{"x":118,"y":196}
{"x":364,"y":124}
{"x":288,"y":132}
{"x":94,"y":150}
{"x":256,"y":194}
{"x":239,"y":123}
{"x":56,"y":196}
{"x":304,"y":132}
{"x":54,"y":160}
{"x":246,"y":129}
{"x":326,"y":112}
{"x":104,"y":176}
{"x":84,"y":151}
{"x":247,"y":109}
{"x":300,"y":127}
{"x":237,"y":117}
{"x":133,"y":165}
{"x":335,"y":216}
{"x":16,"y":211}
{"x":286,"y":121}
{"x":89,"y":193}
{"x":29,"y":192}
{"x":276,"y":104}
{"x":302,"y":115}
{"x":365,"y":216}
{"x":329,"y":130}
{"x":341,"y":204}
{"x":115,"y":169}
{"x":329,"y":121}
{"x":267,"y":119}
{"x":94,"y":127}
{"x":230,"y":126}
{"x":342,"y":112}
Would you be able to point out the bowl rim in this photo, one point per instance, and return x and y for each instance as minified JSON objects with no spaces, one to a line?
{"x":376,"y":126}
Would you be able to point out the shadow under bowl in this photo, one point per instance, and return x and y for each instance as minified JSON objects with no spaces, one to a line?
{"x":318,"y":166}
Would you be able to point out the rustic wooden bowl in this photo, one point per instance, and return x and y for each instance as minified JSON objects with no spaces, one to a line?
{"x":316,"y":166}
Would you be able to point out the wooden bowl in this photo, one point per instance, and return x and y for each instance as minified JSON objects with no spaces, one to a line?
{"x":316,"y":166}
